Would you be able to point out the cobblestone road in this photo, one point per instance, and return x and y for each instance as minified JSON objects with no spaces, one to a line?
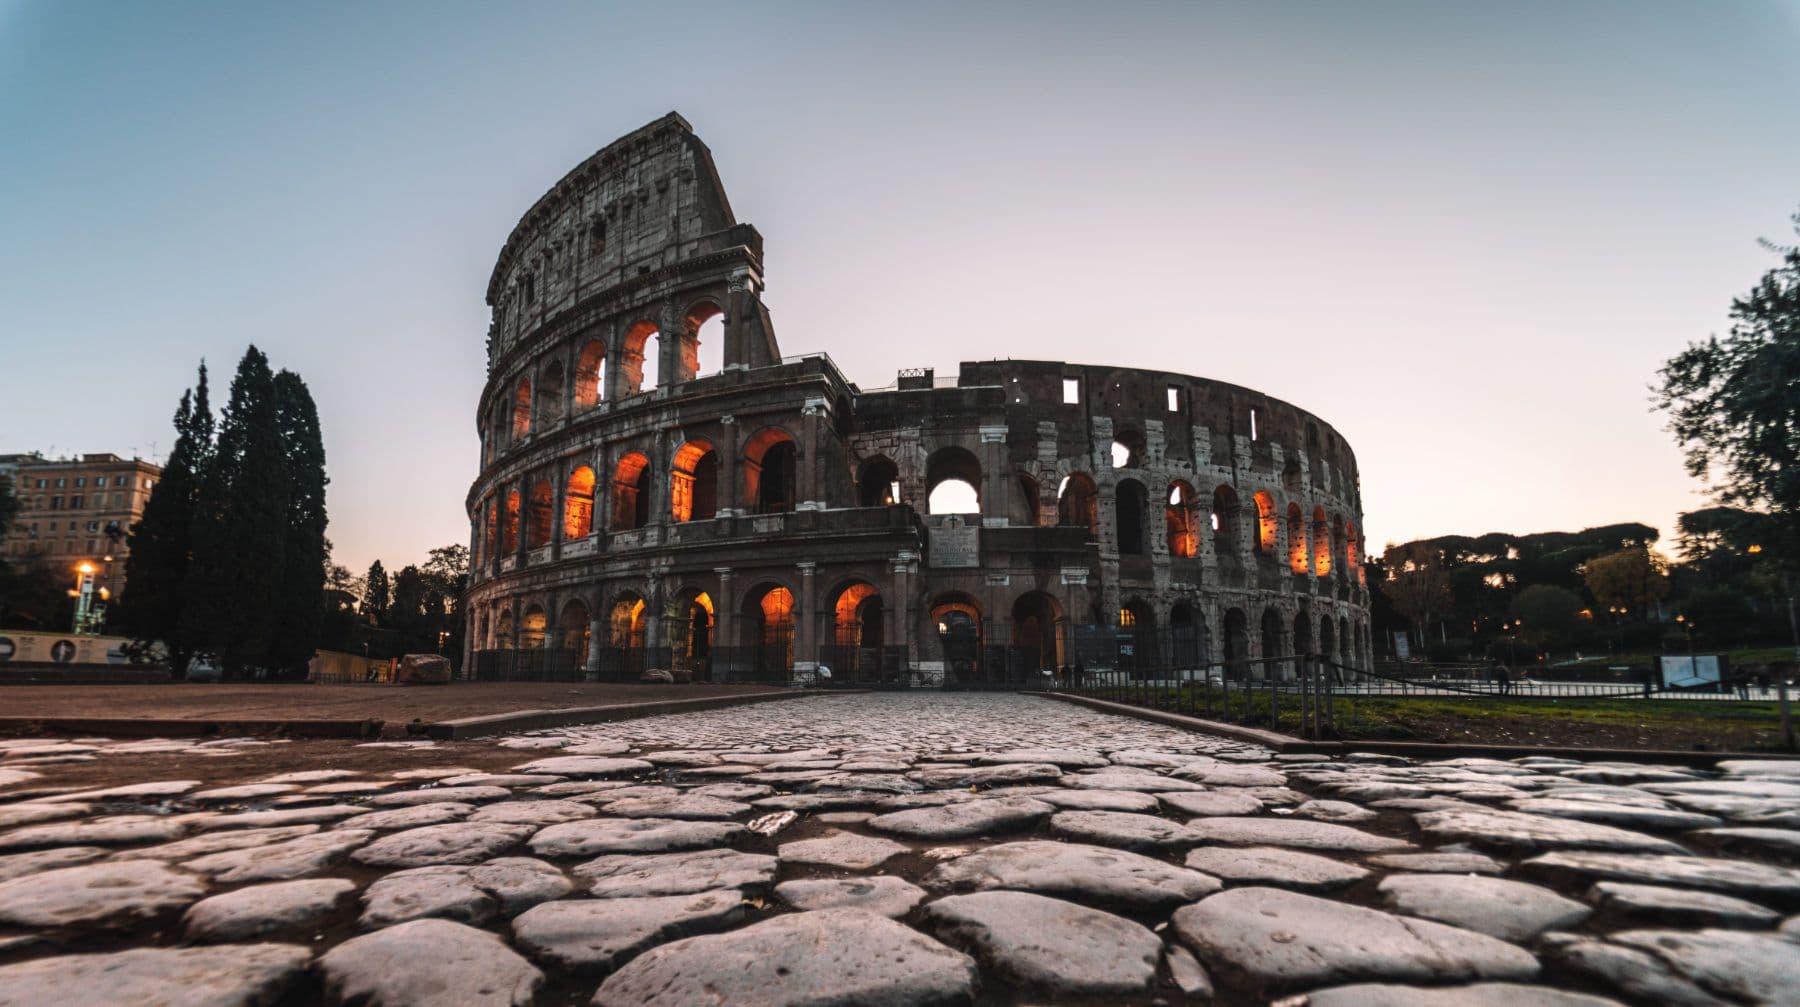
{"x":890,"y":849}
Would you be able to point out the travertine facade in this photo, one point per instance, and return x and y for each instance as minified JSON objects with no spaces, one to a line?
{"x":772,"y":514}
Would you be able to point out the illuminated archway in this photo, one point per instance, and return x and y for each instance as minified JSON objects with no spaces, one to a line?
{"x":503,"y":631}
{"x":590,"y":375}
{"x":958,"y":621}
{"x":572,"y":629}
{"x":1296,"y":530}
{"x":533,"y":627}
{"x":631,"y":493}
{"x":771,"y":471}
{"x":1181,"y":518}
{"x":540,"y":522}
{"x":694,"y":482}
{"x":691,"y":630}
{"x":625,"y":625}
{"x":952,"y":482}
{"x":1268,"y":525}
{"x":878,"y":482}
{"x":1321,"y":534}
{"x":509,"y":523}
{"x":639,"y":364}
{"x":550,"y":394}
{"x":1225,"y":523}
{"x":521,"y":412}
{"x":857,"y":616}
{"x":578,"y":504}
{"x":1077,"y":503}
{"x":1038,"y":630}
{"x":768,"y":628}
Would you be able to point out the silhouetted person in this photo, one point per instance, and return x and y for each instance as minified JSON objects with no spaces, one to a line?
{"x":1503,"y":678}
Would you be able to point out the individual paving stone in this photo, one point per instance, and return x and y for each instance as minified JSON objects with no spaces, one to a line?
{"x":987,"y":776}
{"x":824,"y":958}
{"x":215,"y":842}
{"x":1074,"y":871}
{"x":1189,"y":975}
{"x":1731,"y":965}
{"x":411,"y":818}
{"x":1268,"y":865}
{"x":631,"y":876}
{"x":625,"y":791}
{"x":678,"y":806}
{"x":1635,"y":973}
{"x":246,"y":792}
{"x":14,"y":815}
{"x":477,"y":894}
{"x":733,"y":791}
{"x":1510,"y":910}
{"x":816,"y":802}
{"x":723,"y":769}
{"x":933,"y":799}
{"x":1232,"y":776}
{"x":1779,"y":842}
{"x":1680,"y":906}
{"x":434,"y":795}
{"x":534,"y":812}
{"x":295,"y":858}
{"x":456,"y":843}
{"x":287,"y":816}
{"x":109,"y":894}
{"x":843,"y":850}
{"x":791,"y":776}
{"x":876,"y":766}
{"x":18,"y":865}
{"x":885,"y":896}
{"x":598,"y":747}
{"x":115,"y":830}
{"x":576,"y":788}
{"x":631,"y":835}
{"x":1213,"y":803}
{"x":584,"y":765}
{"x":165,"y":977}
{"x":885,"y":783}
{"x":1780,"y":885}
{"x":320,"y":776}
{"x":1281,"y":941}
{"x":1049,"y":945}
{"x":453,"y":966}
{"x":1297,"y":833}
{"x":1101,"y":800}
{"x":974,"y":818}
{"x":261,"y":910}
{"x":1123,"y":830}
{"x":134,"y":791}
{"x":1145,"y":782}
{"x":843,"y":817}
{"x":1473,"y":995}
{"x":595,"y":935}
{"x":1628,"y":774}
{"x":680,"y":758}
{"x":1342,"y":812}
{"x":1519,"y":831}
{"x":1068,"y":758}
{"x":1440,"y":862}
{"x":1630,"y":816}
{"x":349,"y":787}
{"x":1760,"y":767}
{"x":8,"y":777}
{"x":497,"y":780}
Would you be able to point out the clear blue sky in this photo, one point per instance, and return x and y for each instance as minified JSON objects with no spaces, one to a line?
{"x":1465,"y":234}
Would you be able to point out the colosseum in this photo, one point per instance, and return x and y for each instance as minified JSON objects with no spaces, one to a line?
{"x":661,"y":488}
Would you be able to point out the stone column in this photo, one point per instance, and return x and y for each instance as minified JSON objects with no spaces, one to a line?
{"x":995,"y":479}
{"x":730,"y":475}
{"x":812,"y":418}
{"x":724,"y":618}
{"x":596,"y":629}
{"x":559,"y":487}
{"x":806,"y":651}
{"x":905,"y":565}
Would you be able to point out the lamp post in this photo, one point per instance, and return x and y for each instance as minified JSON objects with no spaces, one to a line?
{"x":83,"y":593}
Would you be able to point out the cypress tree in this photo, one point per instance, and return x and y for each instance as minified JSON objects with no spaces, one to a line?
{"x":298,"y":609}
{"x":240,"y":531}
{"x":375,"y":594}
{"x":161,"y":541}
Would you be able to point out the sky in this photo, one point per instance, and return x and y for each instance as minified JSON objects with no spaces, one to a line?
{"x":1465,"y":234}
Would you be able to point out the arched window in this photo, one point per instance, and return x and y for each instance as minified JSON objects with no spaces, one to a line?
{"x":1296,"y":529}
{"x":694,"y":482}
{"x":1303,"y":637}
{"x":578,"y":504}
{"x":639,"y":366}
{"x":768,"y":628}
{"x":702,"y":342}
{"x":1182,"y":520}
{"x":572,"y":629}
{"x":1273,"y":643}
{"x":1321,"y":533}
{"x":691,"y":635}
{"x":1352,"y":552}
{"x":878,"y":482}
{"x":952,"y":482}
{"x":550,"y":395}
{"x":1128,"y":506}
{"x":1268,"y":525}
{"x":631,"y":493}
{"x":1187,"y":637}
{"x":1225,"y":523}
{"x":503,"y":631}
{"x":856,"y":616}
{"x":1128,"y":449}
{"x":509,"y":523}
{"x":521,"y":412}
{"x":625,"y":624}
{"x":771,"y":467}
{"x":538,"y":527}
{"x":532,"y":628}
{"x":590,"y":375}
{"x":1076,"y":502}
{"x":490,"y":531}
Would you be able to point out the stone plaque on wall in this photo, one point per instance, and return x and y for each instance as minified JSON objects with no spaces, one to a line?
{"x":955,"y":543}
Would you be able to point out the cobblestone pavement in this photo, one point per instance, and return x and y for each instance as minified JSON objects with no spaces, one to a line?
{"x":891,"y":849}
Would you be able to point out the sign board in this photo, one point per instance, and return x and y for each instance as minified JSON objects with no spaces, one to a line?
{"x":1402,"y":647}
{"x":954,"y":544}
{"x":62,"y":648}
{"x":1697,"y":671}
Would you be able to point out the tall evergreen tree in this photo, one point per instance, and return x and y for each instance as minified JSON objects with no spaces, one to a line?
{"x":375,"y":594}
{"x":156,"y":569}
{"x":298,"y":610}
{"x":240,"y":532}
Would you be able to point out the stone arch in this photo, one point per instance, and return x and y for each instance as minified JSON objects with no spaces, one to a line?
{"x":504,"y":636}
{"x":1137,"y":623}
{"x":1303,"y":635}
{"x":578,"y":503}
{"x":1321,"y":543}
{"x":857,"y":616}
{"x":766,"y":624}
{"x":953,"y":481}
{"x":1268,"y":525}
{"x":1352,"y":552}
{"x":590,"y":374}
{"x":878,"y":482}
{"x":1189,"y":644}
{"x":1077,"y":502}
{"x":541,"y":521}
{"x":534,"y":625}
{"x":631,"y":492}
{"x":1129,"y":504}
{"x":1039,"y":630}
{"x":627,"y":622}
{"x":639,"y":354}
{"x":1225,"y":514}
{"x":1327,"y":647}
{"x":1181,"y":518}
{"x":1028,"y":494}
{"x":958,"y":620}
{"x":572,"y":629}
{"x":1274,"y":642}
{"x":1128,"y":448}
{"x":509,"y":523}
{"x":1296,"y":535}
{"x":1237,"y":642}
{"x":702,"y":349}
{"x":692,"y":618}
{"x":521,"y":409}
{"x":771,"y":470}
{"x":550,"y":395}
{"x":694,"y":482}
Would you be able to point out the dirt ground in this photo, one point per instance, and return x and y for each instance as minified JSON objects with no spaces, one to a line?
{"x":300,"y":701}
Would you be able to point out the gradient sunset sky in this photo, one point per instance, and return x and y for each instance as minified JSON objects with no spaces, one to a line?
{"x":1466,"y":234}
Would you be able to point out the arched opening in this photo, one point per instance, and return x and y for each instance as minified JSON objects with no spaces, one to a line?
{"x":1027,"y":509}
{"x":1128,"y":449}
{"x":532,"y":628}
{"x":1128,"y":507}
{"x":639,"y":367}
{"x":1268,"y":525}
{"x":1182,"y":520}
{"x":1327,"y":638}
{"x":703,"y":341}
{"x":590,"y":375}
{"x":768,"y":628}
{"x":1274,"y":647}
{"x":958,"y":622}
{"x":694,"y":482}
{"x":878,"y":482}
{"x":504,"y":638}
{"x":952,"y":478}
{"x":578,"y":504}
{"x":691,"y":632}
{"x":1137,"y":636}
{"x":1188,"y":645}
{"x":626,"y":624}
{"x":1352,"y":553}
{"x":1343,"y":638}
{"x":509,"y":523}
{"x":542,"y":520}
{"x":550,"y":395}
{"x":490,"y":529}
{"x":856,"y":616}
{"x":1296,"y":530}
{"x":771,"y":464}
{"x":1225,"y":524}
{"x":1038,"y":631}
{"x":1077,"y":503}
{"x":573,"y":631}
{"x":631,"y":496}
{"x":521,"y":411}
{"x":1303,"y":638}
{"x":1321,"y":534}
{"x":1237,"y":643}
{"x":1337,"y":539}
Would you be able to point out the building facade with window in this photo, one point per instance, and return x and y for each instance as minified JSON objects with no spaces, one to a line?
{"x":77,"y":510}
{"x":661,"y":488}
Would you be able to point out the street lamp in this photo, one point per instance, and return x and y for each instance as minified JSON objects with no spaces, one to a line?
{"x":87,"y":613}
